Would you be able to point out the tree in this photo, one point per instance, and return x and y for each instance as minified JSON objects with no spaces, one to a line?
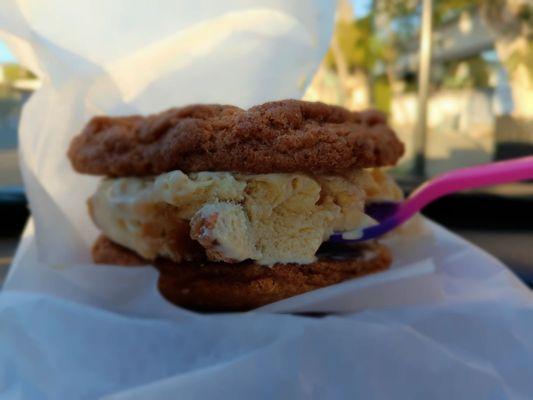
{"x":511,"y":23}
{"x":355,"y":51}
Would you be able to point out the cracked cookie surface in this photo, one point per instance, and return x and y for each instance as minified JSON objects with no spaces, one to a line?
{"x":280,"y":136}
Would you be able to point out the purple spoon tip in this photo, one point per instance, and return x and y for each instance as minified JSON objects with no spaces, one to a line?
{"x":381,"y":212}
{"x":390,"y":215}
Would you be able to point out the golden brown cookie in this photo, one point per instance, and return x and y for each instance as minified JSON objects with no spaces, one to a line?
{"x":280,"y":136}
{"x":104,"y":251}
{"x":213,"y":286}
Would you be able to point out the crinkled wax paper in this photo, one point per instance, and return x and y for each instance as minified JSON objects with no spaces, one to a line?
{"x":447,"y":321}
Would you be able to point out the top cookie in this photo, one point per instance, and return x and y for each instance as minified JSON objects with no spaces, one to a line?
{"x":280,"y":136}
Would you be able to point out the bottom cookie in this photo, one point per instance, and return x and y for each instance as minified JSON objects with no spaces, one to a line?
{"x":214,"y":286}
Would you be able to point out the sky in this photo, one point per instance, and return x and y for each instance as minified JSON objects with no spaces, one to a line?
{"x":5,"y":54}
{"x":361,"y":7}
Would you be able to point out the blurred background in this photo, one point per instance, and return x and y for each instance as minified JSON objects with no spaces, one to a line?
{"x":455,"y":78}
{"x":480,"y":93}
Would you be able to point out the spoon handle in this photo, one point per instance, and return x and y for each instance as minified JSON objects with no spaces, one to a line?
{"x":466,"y":178}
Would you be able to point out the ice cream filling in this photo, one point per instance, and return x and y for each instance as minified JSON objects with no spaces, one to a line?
{"x":269,"y":218}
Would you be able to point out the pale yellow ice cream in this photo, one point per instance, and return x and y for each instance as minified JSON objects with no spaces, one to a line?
{"x":269,"y":218}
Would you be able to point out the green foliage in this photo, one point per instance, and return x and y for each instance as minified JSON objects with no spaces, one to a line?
{"x":359,"y":45}
{"x":13,"y":72}
{"x":366,"y":48}
{"x":398,"y":8}
{"x":477,"y":73}
{"x":382,"y":94}
{"x":443,"y":10}
{"x":522,"y":57}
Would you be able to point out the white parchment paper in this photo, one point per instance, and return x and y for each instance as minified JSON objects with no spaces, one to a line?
{"x":447,"y":321}
{"x":137,"y":57}
{"x":123,"y":57}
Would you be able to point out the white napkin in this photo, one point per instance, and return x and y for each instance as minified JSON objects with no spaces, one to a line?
{"x":53,"y":349}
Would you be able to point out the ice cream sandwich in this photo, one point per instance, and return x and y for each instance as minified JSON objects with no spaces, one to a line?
{"x":233,"y":206}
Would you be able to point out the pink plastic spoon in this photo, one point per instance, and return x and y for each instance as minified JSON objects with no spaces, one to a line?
{"x":391,"y":214}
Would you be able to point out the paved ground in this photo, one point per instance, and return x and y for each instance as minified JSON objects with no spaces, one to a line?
{"x":10,"y":104}
{"x":9,"y":170}
{"x":7,"y":249}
